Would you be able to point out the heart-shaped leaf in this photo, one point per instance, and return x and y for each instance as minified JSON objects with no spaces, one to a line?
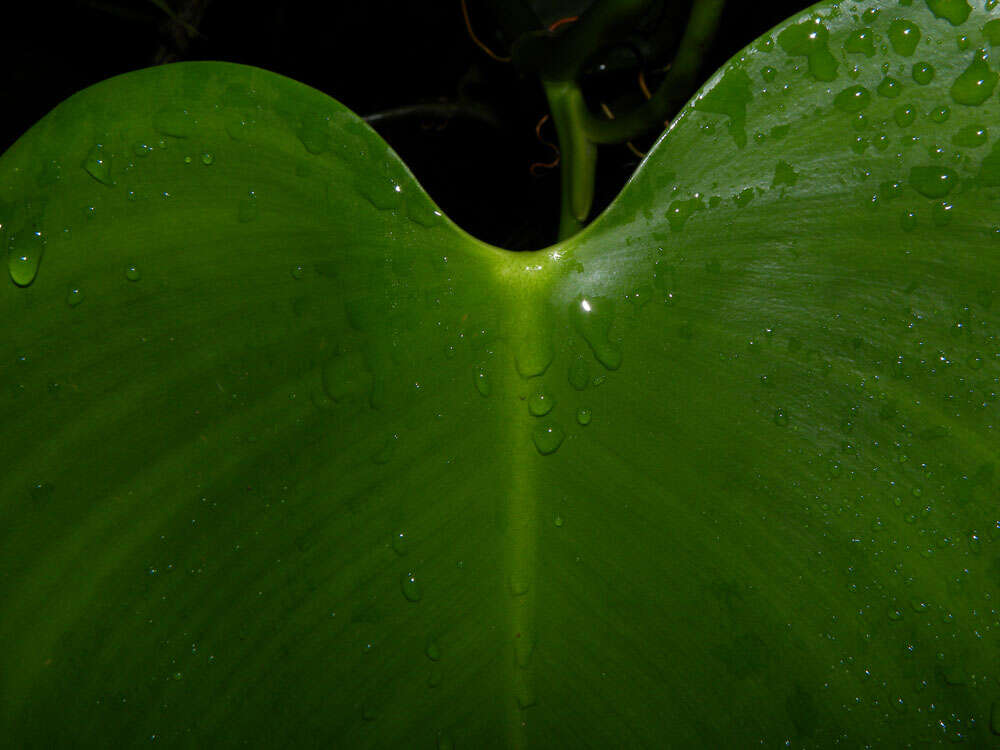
{"x":293,"y":461}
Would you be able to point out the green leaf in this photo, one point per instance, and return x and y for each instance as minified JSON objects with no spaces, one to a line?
{"x":293,"y":461}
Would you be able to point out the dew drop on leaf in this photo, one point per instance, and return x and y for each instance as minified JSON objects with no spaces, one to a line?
{"x":98,"y":164}
{"x":729,"y":97}
{"x":904,"y":36}
{"x":592,"y":318}
{"x":540,"y":403}
{"x":175,"y":122}
{"x":890,"y":88}
{"x":314,"y":134}
{"x":482,"y":381}
{"x":852,"y":99}
{"x":904,"y":116}
{"x":860,"y":42}
{"x":680,"y":211}
{"x":956,"y":12}
{"x":410,"y":587}
{"x":810,"y":39}
{"x":132,"y":273}
{"x":971,"y":136}
{"x":24,"y":256}
{"x":780,"y":417}
{"x":583,"y":416}
{"x":433,"y":650}
{"x":932,"y":181}
{"x":939,"y":114}
{"x":247,"y":211}
{"x":141,"y":149}
{"x":784,"y":174}
{"x":400,"y":543}
{"x":908,"y":221}
{"x":991,"y":31}
{"x":975,"y":85}
{"x":207,"y":158}
{"x":579,"y":373}
{"x":923,"y":73}
{"x":74,"y":296}
{"x":547,"y":438}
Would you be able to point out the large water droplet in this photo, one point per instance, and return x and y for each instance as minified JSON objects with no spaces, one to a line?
{"x":410,"y":587}
{"x":904,"y":116}
{"x":540,"y":403}
{"x":933,"y":181}
{"x":729,"y":97}
{"x":583,"y":416}
{"x":680,"y":211}
{"x":579,"y":373}
{"x":548,"y":437}
{"x":852,"y":99}
{"x":861,"y":42}
{"x":956,"y":12}
{"x":810,"y":38}
{"x":890,"y":88}
{"x":904,"y":36}
{"x":971,"y":136}
{"x":533,"y":351}
{"x":314,"y":133}
{"x":923,"y":73}
{"x":976,"y":83}
{"x":176,"y":122}
{"x":592,"y":317}
{"x":74,"y":296}
{"x":132,"y":273}
{"x":98,"y":164}
{"x":24,"y":255}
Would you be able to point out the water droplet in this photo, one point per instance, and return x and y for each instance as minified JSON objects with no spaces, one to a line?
{"x":400,"y":543}
{"x":939,"y":114}
{"x":175,"y":122}
{"x":248,"y":208}
{"x":24,"y":256}
{"x":409,"y":586}
{"x":768,"y":73}
{"x":540,"y":403}
{"x":132,"y":273}
{"x":742,"y":199}
{"x":810,"y":39}
{"x":583,"y":416}
{"x":533,"y":352}
{"x":971,"y":136}
{"x":904,"y":36}
{"x":933,"y":181}
{"x":730,"y":97}
{"x":956,"y":12}
{"x":895,"y":614}
{"x":923,"y":73}
{"x":904,"y":116}
{"x":991,"y":29}
{"x":558,"y":520}
{"x":142,"y":149}
{"x":890,"y":88}
{"x":98,"y":164}
{"x":482,"y":380}
{"x":579,"y":373}
{"x":908,"y":221}
{"x":314,"y":133}
{"x":298,"y":272}
{"x":780,"y":417}
{"x":784,"y":174}
{"x":852,"y":99}
{"x":548,"y":437}
{"x":207,"y":158}
{"x":680,"y":211}
{"x":976,"y":83}
{"x":432,"y":650}
{"x":942,"y":213}
{"x":861,"y":42}
{"x":592,"y":318}
{"x":188,"y":160}
{"x":74,"y":297}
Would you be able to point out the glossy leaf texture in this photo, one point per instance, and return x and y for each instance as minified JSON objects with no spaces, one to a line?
{"x":292,"y":460}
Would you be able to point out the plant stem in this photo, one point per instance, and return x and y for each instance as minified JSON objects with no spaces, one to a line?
{"x":578,"y":155}
{"x":676,"y":86}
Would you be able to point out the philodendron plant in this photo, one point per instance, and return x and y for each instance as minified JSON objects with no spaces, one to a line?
{"x":293,"y":461}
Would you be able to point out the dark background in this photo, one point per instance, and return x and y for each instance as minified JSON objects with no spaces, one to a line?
{"x":373,"y":56}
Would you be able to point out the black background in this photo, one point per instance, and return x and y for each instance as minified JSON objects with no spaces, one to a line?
{"x":372,"y":56}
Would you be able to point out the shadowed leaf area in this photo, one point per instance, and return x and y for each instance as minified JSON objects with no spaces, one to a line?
{"x":293,"y":461}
